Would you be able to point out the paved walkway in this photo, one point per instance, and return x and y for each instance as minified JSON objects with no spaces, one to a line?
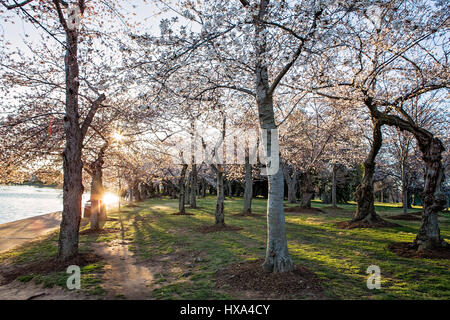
{"x":15,"y":233}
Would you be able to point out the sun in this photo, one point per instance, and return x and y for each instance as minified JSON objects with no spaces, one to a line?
{"x":117,"y":136}
{"x":110,"y":198}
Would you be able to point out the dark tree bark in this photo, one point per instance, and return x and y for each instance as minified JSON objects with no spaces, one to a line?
{"x":364,"y":194}
{"x":306,"y":189}
{"x":72,"y":165}
{"x":74,"y":135}
{"x":194,"y":186}
{"x":98,"y":211}
{"x":434,"y":199}
{"x":229,"y":189}
{"x":291,"y":182}
{"x":333,"y":186}
{"x":136,"y":193}
{"x":203,"y":190}
{"x":188,"y":189}
{"x":429,"y":236}
{"x":182,"y":190}
{"x":248,"y":192}
{"x":220,"y":214}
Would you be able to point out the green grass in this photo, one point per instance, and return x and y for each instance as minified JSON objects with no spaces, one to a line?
{"x":339,"y":257}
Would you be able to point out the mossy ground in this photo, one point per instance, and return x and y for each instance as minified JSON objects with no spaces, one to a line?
{"x":339,"y":257}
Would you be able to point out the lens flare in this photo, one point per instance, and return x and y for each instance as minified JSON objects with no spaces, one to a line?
{"x":110,"y":198}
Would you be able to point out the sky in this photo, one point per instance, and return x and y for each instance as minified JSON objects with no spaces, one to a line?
{"x":14,"y":31}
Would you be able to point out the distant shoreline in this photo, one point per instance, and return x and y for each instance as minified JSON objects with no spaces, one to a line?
{"x":33,"y":184}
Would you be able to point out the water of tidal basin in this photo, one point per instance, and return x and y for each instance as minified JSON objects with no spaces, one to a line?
{"x":21,"y":202}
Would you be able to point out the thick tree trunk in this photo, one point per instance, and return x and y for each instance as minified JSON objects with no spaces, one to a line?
{"x":182,"y":190}
{"x":72,"y":194}
{"x":96,"y":200}
{"x":229,"y":189}
{"x":405,"y":199}
{"x":364,"y":194}
{"x":291,"y":182}
{"x":292,"y":190}
{"x":136,"y":193}
{"x":194,"y":186}
{"x":98,"y":211}
{"x":203,"y":192}
{"x":220,"y":214}
{"x":307,"y":190}
{"x":188,"y":189}
{"x":434,"y":199}
{"x":248,"y":191}
{"x":404,"y":189}
{"x":72,"y":165}
{"x":277,"y":254}
{"x":429,"y":236}
{"x":333,"y":186}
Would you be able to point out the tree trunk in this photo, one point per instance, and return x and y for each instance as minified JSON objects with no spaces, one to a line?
{"x":292,"y":189}
{"x":307,"y":190}
{"x":434,"y":199}
{"x":220,"y":215}
{"x":188,"y":189}
{"x":193,"y":202}
{"x":203,"y":193}
{"x":229,"y":189}
{"x":291,"y":182}
{"x":96,"y":199}
{"x":277,"y":254}
{"x":248,"y":192}
{"x":429,"y":236}
{"x":72,"y":165}
{"x":364,"y":194}
{"x":98,"y":211}
{"x":333,"y":186}
{"x":136,"y":193}
{"x":182,"y":190}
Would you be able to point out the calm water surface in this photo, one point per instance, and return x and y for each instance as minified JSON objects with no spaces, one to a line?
{"x":20,"y":202}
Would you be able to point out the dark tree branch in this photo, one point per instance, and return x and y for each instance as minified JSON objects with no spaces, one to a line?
{"x":94,"y":107}
{"x":15,"y":5}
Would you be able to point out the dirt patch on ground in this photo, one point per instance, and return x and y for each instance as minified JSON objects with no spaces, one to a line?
{"x":100,"y":231}
{"x":365,"y":224}
{"x":127,"y":278}
{"x":249,"y":277}
{"x":248,"y":214}
{"x":408,"y":250}
{"x":301,"y":210}
{"x":182,"y":214}
{"x":407,"y":217}
{"x":217,"y":228}
{"x":123,"y":277}
{"x":45,"y":266}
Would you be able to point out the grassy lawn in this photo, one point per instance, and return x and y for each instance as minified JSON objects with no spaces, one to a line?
{"x":339,"y":257}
